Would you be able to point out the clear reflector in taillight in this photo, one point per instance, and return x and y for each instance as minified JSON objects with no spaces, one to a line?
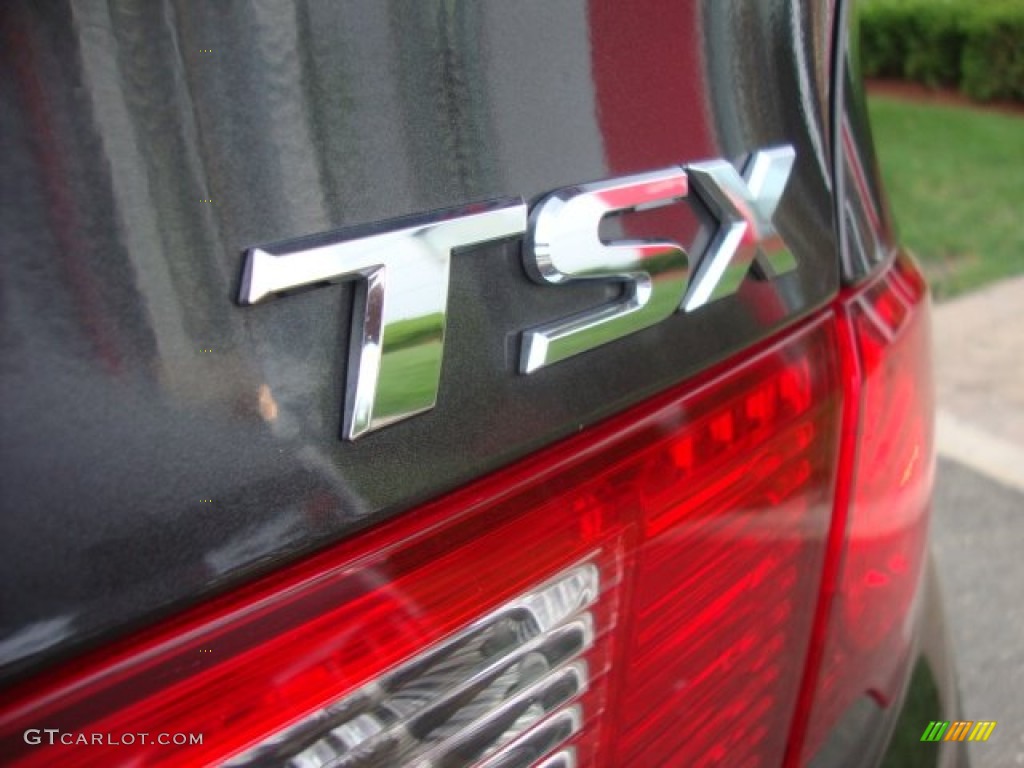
{"x":476,"y":695}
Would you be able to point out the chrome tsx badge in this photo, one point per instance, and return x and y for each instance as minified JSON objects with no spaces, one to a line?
{"x":398,"y":326}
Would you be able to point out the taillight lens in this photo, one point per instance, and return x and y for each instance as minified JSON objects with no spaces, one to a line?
{"x":366,"y":637}
{"x":640,"y":594}
{"x":735,"y":509}
{"x":878,"y":550}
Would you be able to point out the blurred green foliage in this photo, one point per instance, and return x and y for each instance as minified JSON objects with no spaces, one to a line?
{"x":976,"y":45}
{"x":953,"y":175}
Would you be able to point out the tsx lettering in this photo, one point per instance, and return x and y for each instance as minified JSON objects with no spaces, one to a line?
{"x":402,"y":271}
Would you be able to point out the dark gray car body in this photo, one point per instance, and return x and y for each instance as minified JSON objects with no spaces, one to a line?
{"x":160,"y":443}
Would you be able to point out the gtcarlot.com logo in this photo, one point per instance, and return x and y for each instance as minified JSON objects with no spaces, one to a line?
{"x":52,"y":736}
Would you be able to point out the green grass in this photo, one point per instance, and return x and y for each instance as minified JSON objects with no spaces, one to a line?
{"x":955,"y":178}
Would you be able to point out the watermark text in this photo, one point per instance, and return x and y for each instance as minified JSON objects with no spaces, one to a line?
{"x":53,"y":736}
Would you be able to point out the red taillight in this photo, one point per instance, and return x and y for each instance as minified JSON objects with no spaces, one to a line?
{"x":264,"y":659}
{"x":877,"y":553}
{"x":726,"y":569}
{"x":675,"y":551}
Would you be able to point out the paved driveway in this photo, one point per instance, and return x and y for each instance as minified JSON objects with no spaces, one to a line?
{"x":978,"y":527}
{"x":978,"y":541}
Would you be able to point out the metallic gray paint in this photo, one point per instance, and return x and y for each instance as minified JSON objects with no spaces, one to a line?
{"x":867,"y":237}
{"x":160,"y":443}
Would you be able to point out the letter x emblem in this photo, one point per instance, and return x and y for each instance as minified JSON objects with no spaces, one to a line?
{"x":744,"y":206}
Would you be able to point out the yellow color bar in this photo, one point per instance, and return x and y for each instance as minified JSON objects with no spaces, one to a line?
{"x":982,"y":730}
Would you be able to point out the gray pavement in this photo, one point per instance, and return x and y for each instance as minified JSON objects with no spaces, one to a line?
{"x":979,"y":366}
{"x":978,"y":524}
{"x":978,"y":543}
